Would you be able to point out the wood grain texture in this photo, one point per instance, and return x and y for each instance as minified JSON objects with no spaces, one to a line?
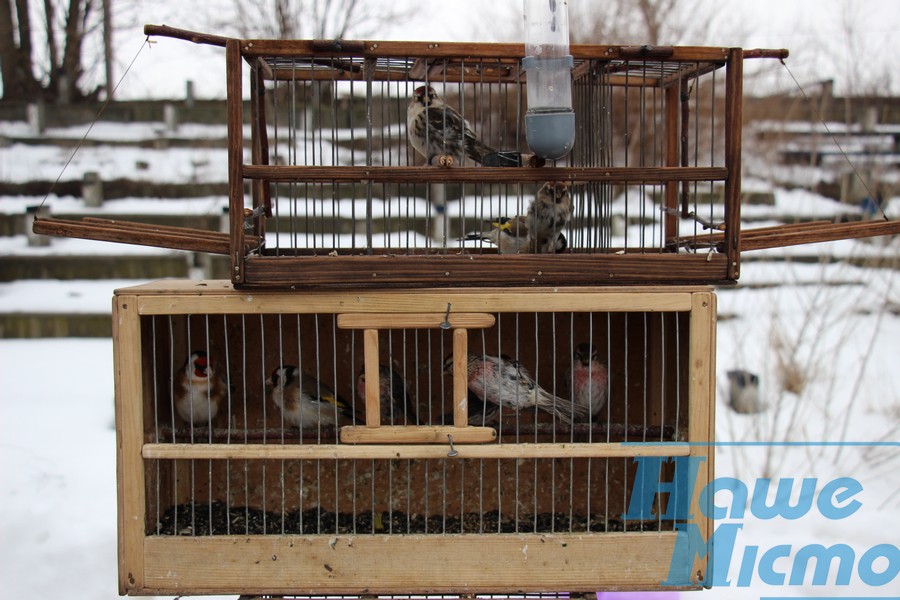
{"x":415,"y":321}
{"x":411,"y":451}
{"x":419,"y":434}
{"x":374,"y":564}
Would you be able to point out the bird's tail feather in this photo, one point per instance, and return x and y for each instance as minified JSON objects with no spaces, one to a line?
{"x":477,"y":150}
{"x":565,"y":410}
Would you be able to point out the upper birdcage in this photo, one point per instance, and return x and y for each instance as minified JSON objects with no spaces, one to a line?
{"x":330,"y":187}
{"x":339,"y":196}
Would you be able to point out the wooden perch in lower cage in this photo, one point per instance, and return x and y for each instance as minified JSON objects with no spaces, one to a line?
{"x":141,"y":234}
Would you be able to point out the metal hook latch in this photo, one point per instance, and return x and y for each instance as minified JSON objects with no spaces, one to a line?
{"x":446,"y":323}
{"x":453,"y":451}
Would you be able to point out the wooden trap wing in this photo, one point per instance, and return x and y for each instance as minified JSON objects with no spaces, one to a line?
{"x":142,"y":234}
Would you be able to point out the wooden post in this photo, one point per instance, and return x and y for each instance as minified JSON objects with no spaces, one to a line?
{"x":460,"y":378}
{"x":235,"y":158}
{"x":92,"y":189}
{"x":733,"y":123}
{"x":373,"y":378}
{"x":672,"y":94}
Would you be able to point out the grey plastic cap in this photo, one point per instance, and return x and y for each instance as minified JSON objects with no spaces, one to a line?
{"x":550,"y":134}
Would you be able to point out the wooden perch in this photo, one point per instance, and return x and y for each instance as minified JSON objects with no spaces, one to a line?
{"x":141,"y":234}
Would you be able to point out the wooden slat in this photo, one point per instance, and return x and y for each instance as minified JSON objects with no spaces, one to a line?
{"x":415,"y":321}
{"x":373,"y":378}
{"x":734,"y":100}
{"x":235,"y":110}
{"x":418,"y":434}
{"x":460,"y":377}
{"x":702,"y":397}
{"x":485,"y":270}
{"x":201,"y":297}
{"x":140,"y":234}
{"x":408,"y":564}
{"x":426,"y":174}
{"x":672,"y":155}
{"x":412,"y":451}
{"x":129,"y":436}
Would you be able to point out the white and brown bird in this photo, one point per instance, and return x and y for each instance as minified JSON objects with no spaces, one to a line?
{"x":304,"y":401}
{"x":198,"y":391}
{"x":503,"y":381}
{"x":588,"y":379}
{"x":548,"y":214}
{"x":511,"y":236}
{"x":398,"y":406}
{"x":539,"y":231}
{"x":439,"y":133}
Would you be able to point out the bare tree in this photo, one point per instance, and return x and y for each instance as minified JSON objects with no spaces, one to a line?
{"x":30,"y":69}
{"x":300,"y":19}
{"x":654,"y":22}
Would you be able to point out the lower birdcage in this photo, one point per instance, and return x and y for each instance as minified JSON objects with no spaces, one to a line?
{"x":407,"y":475}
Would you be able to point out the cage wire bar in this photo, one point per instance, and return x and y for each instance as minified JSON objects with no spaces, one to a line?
{"x":621,"y":105}
{"x":196,"y":497}
{"x":654,"y":175}
{"x":251,"y":472}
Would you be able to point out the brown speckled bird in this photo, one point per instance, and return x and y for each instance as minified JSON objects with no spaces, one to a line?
{"x":198,"y":392}
{"x":439,"y":133}
{"x":548,"y":214}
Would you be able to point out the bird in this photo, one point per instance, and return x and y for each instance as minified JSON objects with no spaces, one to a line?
{"x":588,"y":379}
{"x":548,"y":214}
{"x":505,"y":382}
{"x":198,"y":392}
{"x":304,"y":401}
{"x":398,"y":407}
{"x":438,"y":131}
{"x":743,"y":392}
{"x":539,"y":231}
{"x":510,"y":235}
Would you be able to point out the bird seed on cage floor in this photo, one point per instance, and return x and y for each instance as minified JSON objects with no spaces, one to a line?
{"x":216,"y":518}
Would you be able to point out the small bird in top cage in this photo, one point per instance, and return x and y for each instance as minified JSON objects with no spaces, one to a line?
{"x":398,"y":407}
{"x":198,"y":390}
{"x":510,"y":235}
{"x":438,"y":131}
{"x":588,"y":379}
{"x":304,"y":401}
{"x":548,"y":214}
{"x":505,"y":382}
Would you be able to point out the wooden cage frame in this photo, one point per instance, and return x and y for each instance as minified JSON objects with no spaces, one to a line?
{"x":671,"y":71}
{"x":385,"y":564}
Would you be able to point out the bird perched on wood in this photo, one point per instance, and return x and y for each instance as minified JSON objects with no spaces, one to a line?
{"x":304,"y":401}
{"x":510,"y":235}
{"x":198,"y":392}
{"x":398,"y":407}
{"x":505,"y":382}
{"x":547,"y":216}
{"x":588,"y":379}
{"x":540,"y":230}
{"x":743,"y":392}
{"x":438,"y":131}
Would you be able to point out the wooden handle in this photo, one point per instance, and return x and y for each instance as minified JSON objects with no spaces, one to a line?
{"x":373,"y":383}
{"x":460,"y":378}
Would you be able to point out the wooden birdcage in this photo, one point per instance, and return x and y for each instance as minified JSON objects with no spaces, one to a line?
{"x":348,"y":256}
{"x":252,"y":504}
